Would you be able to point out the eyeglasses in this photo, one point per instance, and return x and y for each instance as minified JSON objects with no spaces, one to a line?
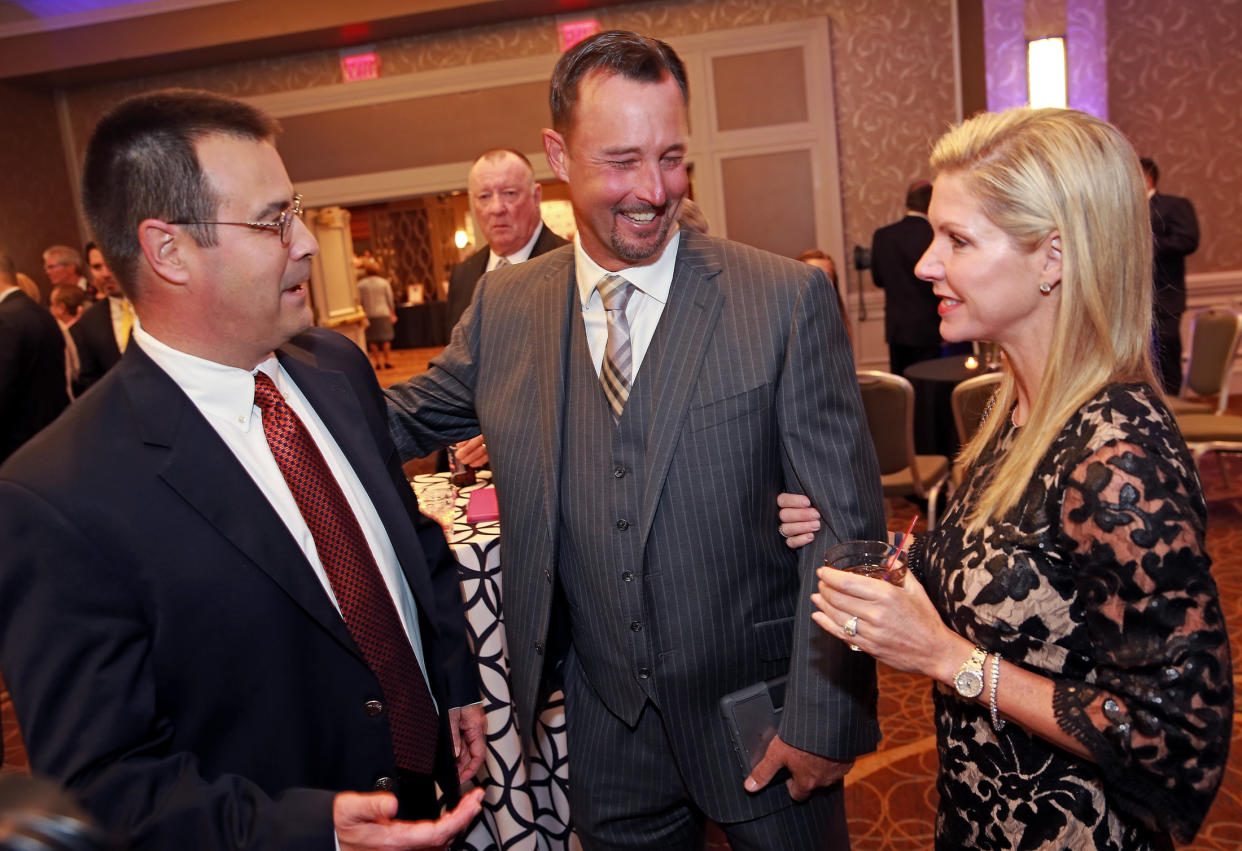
{"x":283,"y":223}
{"x":47,"y":267}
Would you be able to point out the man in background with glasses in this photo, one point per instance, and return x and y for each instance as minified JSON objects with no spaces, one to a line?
{"x":223,"y":621}
{"x":63,"y":265}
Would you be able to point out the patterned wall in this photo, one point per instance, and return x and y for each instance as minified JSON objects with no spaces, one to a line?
{"x":893,"y":66}
{"x":1175,"y":88}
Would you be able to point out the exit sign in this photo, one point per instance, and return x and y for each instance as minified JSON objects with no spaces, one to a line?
{"x":572,"y":32}
{"x":360,"y":66}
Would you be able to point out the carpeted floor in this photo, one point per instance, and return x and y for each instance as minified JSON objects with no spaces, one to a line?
{"x":891,"y":795}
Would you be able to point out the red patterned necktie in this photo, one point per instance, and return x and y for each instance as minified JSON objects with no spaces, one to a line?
{"x":365,"y":603}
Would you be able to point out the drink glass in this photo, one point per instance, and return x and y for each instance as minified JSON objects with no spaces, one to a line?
{"x":868,"y":558}
{"x":439,"y":502}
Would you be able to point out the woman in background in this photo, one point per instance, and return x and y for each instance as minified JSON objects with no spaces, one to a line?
{"x":381,"y":310}
{"x":1064,"y":607}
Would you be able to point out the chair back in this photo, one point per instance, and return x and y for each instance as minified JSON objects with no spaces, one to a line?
{"x":1214,"y":336}
{"x":970,"y":399}
{"x":888,"y":402}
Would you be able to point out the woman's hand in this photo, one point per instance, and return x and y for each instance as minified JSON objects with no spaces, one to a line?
{"x":897,"y":624}
{"x":799,"y":520}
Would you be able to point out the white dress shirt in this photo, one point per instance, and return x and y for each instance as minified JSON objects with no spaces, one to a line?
{"x":225,"y":396}
{"x":519,"y":256}
{"x":646,"y":305}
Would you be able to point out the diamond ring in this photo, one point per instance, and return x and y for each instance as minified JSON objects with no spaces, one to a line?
{"x":851,"y":626}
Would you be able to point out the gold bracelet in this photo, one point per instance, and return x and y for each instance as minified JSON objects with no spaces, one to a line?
{"x":997,"y":723}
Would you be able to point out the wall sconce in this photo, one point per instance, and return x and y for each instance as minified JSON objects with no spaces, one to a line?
{"x":1045,"y":72}
{"x":460,"y":239}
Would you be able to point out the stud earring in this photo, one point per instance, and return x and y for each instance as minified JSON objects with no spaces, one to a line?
{"x":1045,"y":288}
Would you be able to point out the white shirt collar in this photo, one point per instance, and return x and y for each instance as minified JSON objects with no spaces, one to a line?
{"x":652,"y":279}
{"x":519,"y":256}
{"x":223,"y":391}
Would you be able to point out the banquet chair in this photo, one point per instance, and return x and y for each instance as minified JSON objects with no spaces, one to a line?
{"x":1214,"y":336}
{"x":888,"y":401}
{"x":970,"y":400}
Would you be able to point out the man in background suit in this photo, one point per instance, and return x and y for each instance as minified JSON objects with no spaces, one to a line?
{"x":32,"y":364}
{"x":642,"y":559}
{"x":1175,"y":234}
{"x":911,"y":317}
{"x":223,"y":620}
{"x":102,"y":332}
{"x":63,"y":265}
{"x":504,"y":198}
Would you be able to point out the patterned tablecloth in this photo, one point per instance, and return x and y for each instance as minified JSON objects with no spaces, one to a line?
{"x":525,"y":806}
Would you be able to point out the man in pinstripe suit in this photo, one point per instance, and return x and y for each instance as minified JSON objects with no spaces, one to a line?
{"x":642,"y":558}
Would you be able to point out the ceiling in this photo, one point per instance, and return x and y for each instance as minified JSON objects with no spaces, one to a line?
{"x":58,"y":43}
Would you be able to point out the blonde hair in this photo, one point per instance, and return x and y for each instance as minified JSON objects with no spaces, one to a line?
{"x":1036,"y":172}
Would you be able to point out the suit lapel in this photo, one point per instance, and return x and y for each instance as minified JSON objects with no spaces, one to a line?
{"x":332,"y":396}
{"x":691,"y":315}
{"x":554,"y":299}
{"x":202,"y":470}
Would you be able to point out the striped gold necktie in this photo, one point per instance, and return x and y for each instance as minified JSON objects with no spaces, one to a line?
{"x":614,"y":373}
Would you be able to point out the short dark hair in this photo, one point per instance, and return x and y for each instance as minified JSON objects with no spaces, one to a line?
{"x":633,"y":56}
{"x":918,"y":196}
{"x":70,"y":295}
{"x":141,"y":163}
{"x":1150,"y":169}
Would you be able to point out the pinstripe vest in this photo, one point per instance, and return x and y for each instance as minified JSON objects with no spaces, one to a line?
{"x":601,"y":567}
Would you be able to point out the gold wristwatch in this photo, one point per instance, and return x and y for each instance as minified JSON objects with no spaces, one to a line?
{"x":969,"y":679}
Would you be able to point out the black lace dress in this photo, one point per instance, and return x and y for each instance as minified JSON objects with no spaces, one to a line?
{"x":1099,"y":579}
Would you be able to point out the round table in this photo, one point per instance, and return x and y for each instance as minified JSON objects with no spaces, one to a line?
{"x":526,"y":804}
{"x":933,"y":381}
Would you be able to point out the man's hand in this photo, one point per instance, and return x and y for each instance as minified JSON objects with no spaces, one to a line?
{"x":469,"y":727}
{"x":472,"y":452}
{"x":810,"y":771}
{"x":364,"y":822}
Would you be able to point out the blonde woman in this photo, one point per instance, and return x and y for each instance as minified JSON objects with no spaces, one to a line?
{"x":1066,"y":610}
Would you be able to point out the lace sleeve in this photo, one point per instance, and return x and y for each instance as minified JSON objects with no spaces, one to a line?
{"x":1156,"y":711}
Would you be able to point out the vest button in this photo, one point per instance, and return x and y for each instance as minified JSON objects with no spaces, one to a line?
{"x":385,"y":784}
{"x":623,"y":525}
{"x":538,"y":648}
{"x":547,"y":574}
{"x":618,"y":472}
{"x":636,"y":626}
{"x":373,"y":708}
{"x":628,"y":576}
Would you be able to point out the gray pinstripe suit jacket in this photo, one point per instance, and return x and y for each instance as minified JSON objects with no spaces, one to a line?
{"x":755,"y":394}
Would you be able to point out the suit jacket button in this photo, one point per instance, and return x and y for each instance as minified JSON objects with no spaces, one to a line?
{"x":547,"y":574}
{"x":385,"y":784}
{"x":623,"y":525}
{"x":644,"y":673}
{"x":538,"y":648}
{"x":373,"y":707}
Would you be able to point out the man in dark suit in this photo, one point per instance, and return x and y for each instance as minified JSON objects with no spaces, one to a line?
{"x":63,"y":265}
{"x":504,"y":197}
{"x":223,"y":621}
{"x":102,"y":332}
{"x":1175,"y":234}
{"x":32,"y":364}
{"x":911,"y":318}
{"x":640,"y":426}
